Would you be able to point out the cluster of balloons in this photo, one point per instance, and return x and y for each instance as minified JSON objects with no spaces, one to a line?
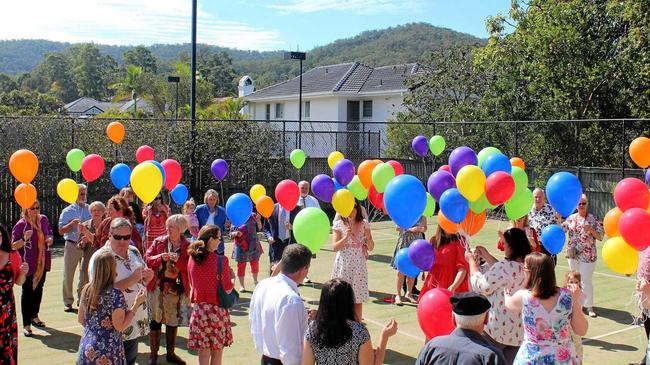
{"x":419,"y":256}
{"x":421,"y":146}
{"x":23,"y":165}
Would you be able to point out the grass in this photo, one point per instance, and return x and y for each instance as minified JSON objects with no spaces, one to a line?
{"x":612,"y":338}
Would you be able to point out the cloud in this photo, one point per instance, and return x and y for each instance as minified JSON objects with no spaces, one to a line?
{"x":359,"y":6}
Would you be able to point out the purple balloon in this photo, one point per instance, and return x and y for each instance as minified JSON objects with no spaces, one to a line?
{"x":422,"y":254}
{"x":323,"y":187}
{"x":219,"y":169}
{"x":462,"y":156}
{"x":647,"y":176}
{"x":420,"y":145}
{"x":439,"y":182}
{"x":344,"y":171}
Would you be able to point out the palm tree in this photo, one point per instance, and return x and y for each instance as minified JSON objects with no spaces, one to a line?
{"x":130,"y":85}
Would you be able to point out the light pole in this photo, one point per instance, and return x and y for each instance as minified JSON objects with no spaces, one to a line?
{"x":298,"y":56}
{"x":176,"y":80}
{"x":193,"y":95}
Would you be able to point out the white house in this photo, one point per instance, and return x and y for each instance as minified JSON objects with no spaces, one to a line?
{"x":347,"y":92}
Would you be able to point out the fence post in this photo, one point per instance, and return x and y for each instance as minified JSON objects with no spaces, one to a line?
{"x":623,"y":152}
{"x":284,"y":146}
{"x":516,"y":139}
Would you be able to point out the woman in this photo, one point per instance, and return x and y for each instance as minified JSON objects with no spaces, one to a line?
{"x":128,"y":195}
{"x":584,"y":229}
{"x":88,"y":228}
{"x":504,"y":329}
{"x":533,"y":238}
{"x":210,"y":212}
{"x":103,"y":313}
{"x":549,"y":313}
{"x":449,"y":270}
{"x":352,"y":241}
{"x":116,"y":207}
{"x":248,"y":248}
{"x":210,"y":328}
{"x":169,"y":290}
{"x":335,"y":337}
{"x":155,"y":218}
{"x":12,"y":271}
{"x":32,"y":236}
{"x":404,"y":240}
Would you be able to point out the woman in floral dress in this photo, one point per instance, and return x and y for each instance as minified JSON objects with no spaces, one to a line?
{"x":404,"y":240}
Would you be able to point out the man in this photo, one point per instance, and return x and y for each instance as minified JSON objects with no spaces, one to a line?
{"x":278,"y":231}
{"x":75,"y":249}
{"x":132,"y":276}
{"x":466,"y":345}
{"x":277,"y":314}
{"x":542,"y":215}
{"x":210,"y":212}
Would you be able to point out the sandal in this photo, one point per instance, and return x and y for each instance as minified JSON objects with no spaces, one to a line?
{"x":411,"y":299}
{"x":27,"y":333}
{"x":398,"y":301}
{"x":38,"y":323}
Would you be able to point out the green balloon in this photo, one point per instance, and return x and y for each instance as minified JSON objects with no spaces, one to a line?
{"x":74,"y":158}
{"x":311,"y":228}
{"x":519,"y":205}
{"x":521,"y":179}
{"x":297,"y":158}
{"x":430,"y":208}
{"x":436,"y":145}
{"x":381,"y":175}
{"x":480,"y":205}
{"x":358,"y":190}
{"x":485,"y":153}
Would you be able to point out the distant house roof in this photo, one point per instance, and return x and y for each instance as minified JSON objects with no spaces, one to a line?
{"x":344,"y":78}
{"x":88,"y":107}
{"x":142,"y":106}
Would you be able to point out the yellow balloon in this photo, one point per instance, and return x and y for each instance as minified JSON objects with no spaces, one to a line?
{"x":471,"y":182}
{"x":68,"y":190}
{"x":620,"y":256}
{"x":257,"y":191}
{"x":333,"y":158}
{"x":146,"y":181}
{"x":343,"y":202}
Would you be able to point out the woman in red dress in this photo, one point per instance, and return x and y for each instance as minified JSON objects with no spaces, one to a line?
{"x":450,"y":268}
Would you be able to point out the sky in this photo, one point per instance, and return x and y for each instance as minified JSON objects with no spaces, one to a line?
{"x":244,"y":24}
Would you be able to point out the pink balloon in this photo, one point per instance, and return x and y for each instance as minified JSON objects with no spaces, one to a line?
{"x":633,"y":226}
{"x":144,"y":153}
{"x":499,"y":187}
{"x":445,"y":168}
{"x":631,"y":193}
{"x":92,"y":167}
{"x":434,"y":313}
{"x":399,"y":169}
{"x":173,"y":173}
{"x":287,"y":194}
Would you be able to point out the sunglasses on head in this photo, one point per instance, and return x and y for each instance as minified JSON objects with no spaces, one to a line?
{"x":121,"y":238}
{"x":34,"y":208}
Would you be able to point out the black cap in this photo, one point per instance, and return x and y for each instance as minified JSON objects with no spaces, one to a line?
{"x":469,"y":304}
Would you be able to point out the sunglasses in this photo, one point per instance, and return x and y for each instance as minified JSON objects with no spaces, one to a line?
{"x":582,"y":204}
{"x":158,"y":198}
{"x":34,"y":208}
{"x":121,"y":238}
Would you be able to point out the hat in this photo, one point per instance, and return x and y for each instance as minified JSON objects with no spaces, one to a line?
{"x":469,"y":304}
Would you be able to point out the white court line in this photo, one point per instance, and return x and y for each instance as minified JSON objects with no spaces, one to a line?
{"x":609,"y":334}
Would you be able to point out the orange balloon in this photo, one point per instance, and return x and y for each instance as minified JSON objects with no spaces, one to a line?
{"x":23,"y":164}
{"x":115,"y":132}
{"x":516,"y":161}
{"x":264,"y":205}
{"x":473,"y":222}
{"x":610,"y":223}
{"x":640,"y":151}
{"x":365,"y":172}
{"x":447,"y":225}
{"x":25,"y":195}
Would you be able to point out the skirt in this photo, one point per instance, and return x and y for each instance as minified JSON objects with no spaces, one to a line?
{"x":169,"y":308}
{"x":209,"y":327}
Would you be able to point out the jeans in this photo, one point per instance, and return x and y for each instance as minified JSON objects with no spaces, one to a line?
{"x":131,"y":351}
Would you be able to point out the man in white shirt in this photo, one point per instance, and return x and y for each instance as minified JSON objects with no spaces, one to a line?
{"x":306,"y":200}
{"x":277,"y":314}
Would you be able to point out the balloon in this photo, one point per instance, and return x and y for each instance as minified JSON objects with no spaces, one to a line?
{"x":471,"y":182}
{"x":161,"y":168}
{"x":173,"y":173}
{"x":219,"y":169}
{"x":239,"y":208}
{"x":610,"y":222}
{"x":519,"y":205}
{"x":358,"y":190}
{"x":499,"y":187}
{"x":311,"y":228}
{"x":397,"y":167}
{"x":179,"y":194}
{"x":436,"y":145}
{"x":376,"y":198}
{"x":473,"y":223}
{"x":337,"y":186}
{"x":344,"y":171}
{"x":421,"y":254}
{"x":633,"y":226}
{"x":460,"y":157}
{"x":287,"y":194}
{"x":23,"y":165}
{"x":404,"y":263}
{"x":343,"y":202}
{"x":552,"y":238}
{"x":92,"y":167}
{"x":333,"y":158}
{"x":257,"y":191}
{"x":631,"y":193}
{"x":146,"y":181}
{"x":264,"y":206}
{"x":619,"y":256}
{"x":420,"y":145}
{"x":485,"y":153}
{"x":564,"y":191}
{"x":480,"y":205}
{"x":74,"y":158}
{"x":115,"y":132}
{"x":365,"y":172}
{"x":496,"y":162}
{"x":144,"y":153}
{"x":323,"y":187}
{"x":297,"y":158}
{"x":381,"y":175}
{"x":447,"y":225}
{"x":520,"y":177}
{"x":445,"y":168}
{"x":434,"y":313}
{"x":439,"y":182}
{"x":405,"y":199}
{"x":640,"y":152}
{"x":120,"y":175}
{"x":68,"y":190}
{"x":25,"y":195}
{"x":518,"y":162}
{"x":453,"y":205}
{"x":430,"y":208}
{"x":647,"y":176}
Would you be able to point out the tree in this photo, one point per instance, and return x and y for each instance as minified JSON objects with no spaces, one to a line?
{"x":217,"y":70}
{"x":91,"y":71}
{"x":228,"y":109}
{"x":130,"y":85}
{"x":141,"y":56}
{"x":7,"y":83}
{"x":18,"y":102}
{"x":56,"y":71}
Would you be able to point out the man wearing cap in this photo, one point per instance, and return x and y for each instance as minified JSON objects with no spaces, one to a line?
{"x":466,"y":344}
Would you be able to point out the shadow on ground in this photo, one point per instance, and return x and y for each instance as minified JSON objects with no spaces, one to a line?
{"x":608,"y":346}
{"x":397,"y":358}
{"x":615,"y":315}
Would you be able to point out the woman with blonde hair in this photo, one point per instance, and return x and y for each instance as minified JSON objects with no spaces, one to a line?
{"x":210,"y":212}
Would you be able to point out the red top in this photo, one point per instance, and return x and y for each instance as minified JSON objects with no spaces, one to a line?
{"x":448,"y":259}
{"x":159,"y":246}
{"x":101,"y":235}
{"x":154,"y":226}
{"x":204,"y":278}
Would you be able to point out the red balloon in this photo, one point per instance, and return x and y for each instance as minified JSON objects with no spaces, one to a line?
{"x":499,"y":187}
{"x":445,"y":168}
{"x":434,"y":313}
{"x":92,"y":167}
{"x":399,"y":169}
{"x":287,"y":194}
{"x":376,"y":198}
{"x":144,"y":153}
{"x":631,"y":193}
{"x":173,"y":173}
{"x":633,"y":226}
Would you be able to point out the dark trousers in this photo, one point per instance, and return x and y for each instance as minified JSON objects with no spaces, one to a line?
{"x":131,"y":351}
{"x":30,"y":302}
{"x":509,"y":352}
{"x":276,"y":249}
{"x":270,"y":361}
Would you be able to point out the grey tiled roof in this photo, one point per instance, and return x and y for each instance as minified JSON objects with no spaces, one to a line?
{"x":81,"y":105}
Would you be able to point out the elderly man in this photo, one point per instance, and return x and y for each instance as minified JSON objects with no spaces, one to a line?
{"x":306,"y":200}
{"x":210,"y":212}
{"x":73,"y":252}
{"x":466,"y":345}
{"x":542,"y":215}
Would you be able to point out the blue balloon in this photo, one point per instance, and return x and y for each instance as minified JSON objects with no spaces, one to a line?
{"x":563,"y":191}
{"x":180,"y":194}
{"x":239,"y":208}
{"x":404,"y":263}
{"x":496,"y":162}
{"x":453,"y":205}
{"x":120,"y":175}
{"x":337,"y":186}
{"x":553,"y":238}
{"x":160,"y":167}
{"x":405,"y":199}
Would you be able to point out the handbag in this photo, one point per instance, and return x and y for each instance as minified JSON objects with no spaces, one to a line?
{"x":226,"y":300}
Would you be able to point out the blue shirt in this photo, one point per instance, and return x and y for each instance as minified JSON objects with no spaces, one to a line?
{"x":203,"y":213}
{"x":73,"y":211}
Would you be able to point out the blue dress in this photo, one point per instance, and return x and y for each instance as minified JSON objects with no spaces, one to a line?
{"x":101,"y":343}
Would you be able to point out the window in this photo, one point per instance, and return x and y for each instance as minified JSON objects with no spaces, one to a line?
{"x":267,"y":115}
{"x":279,"y":111}
{"x":367,"y":109}
{"x":307,"y":112}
